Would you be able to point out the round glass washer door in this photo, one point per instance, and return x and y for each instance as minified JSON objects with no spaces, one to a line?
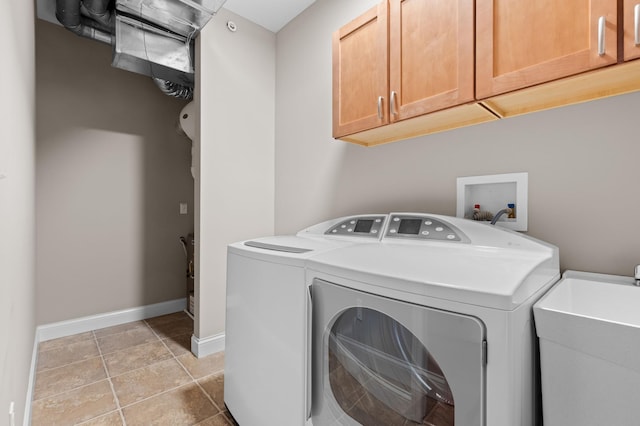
{"x":380,"y":361}
{"x":380,"y":372}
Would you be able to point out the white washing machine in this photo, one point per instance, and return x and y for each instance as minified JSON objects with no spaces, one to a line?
{"x":427,"y":322}
{"x":268,"y":320}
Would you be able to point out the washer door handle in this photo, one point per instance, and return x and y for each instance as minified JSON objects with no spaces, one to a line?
{"x":309,"y":348}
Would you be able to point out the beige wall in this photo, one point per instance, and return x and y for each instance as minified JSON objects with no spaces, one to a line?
{"x":235,"y":178}
{"x":582,"y":160}
{"x":17,"y":223}
{"x":111,"y":172}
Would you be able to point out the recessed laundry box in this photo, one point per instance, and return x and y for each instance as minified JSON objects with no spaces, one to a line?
{"x":589,"y":331}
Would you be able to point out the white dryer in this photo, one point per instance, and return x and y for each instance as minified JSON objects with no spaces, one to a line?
{"x":403,"y":319}
{"x":268,"y":320}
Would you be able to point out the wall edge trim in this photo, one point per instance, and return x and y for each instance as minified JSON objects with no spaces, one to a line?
{"x":32,"y":380}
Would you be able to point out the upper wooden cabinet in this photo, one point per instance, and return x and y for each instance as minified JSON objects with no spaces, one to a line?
{"x":360,"y":73}
{"x":523,"y":43}
{"x":631,"y":11}
{"x":430,"y":56}
{"x":402,"y":59}
{"x":407,"y":68}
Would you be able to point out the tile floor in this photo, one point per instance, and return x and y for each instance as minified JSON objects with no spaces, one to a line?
{"x":140,"y":373}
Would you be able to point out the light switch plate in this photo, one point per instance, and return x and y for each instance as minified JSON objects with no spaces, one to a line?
{"x":183,"y":208}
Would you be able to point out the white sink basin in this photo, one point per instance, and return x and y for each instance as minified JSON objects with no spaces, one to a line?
{"x":595,"y":313}
{"x":589,"y":330}
{"x":610,"y":298}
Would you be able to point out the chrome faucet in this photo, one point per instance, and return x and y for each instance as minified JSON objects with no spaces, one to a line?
{"x":637,"y":275}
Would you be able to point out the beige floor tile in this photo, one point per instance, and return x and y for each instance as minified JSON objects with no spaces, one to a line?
{"x":119,"y":328}
{"x":180,"y":325}
{"x":68,"y":377}
{"x":126,"y":339}
{"x":68,"y":354}
{"x":145,"y":382}
{"x":74,"y":406}
{"x":217,"y":420}
{"x":64,"y":341}
{"x":214,"y":387}
{"x":164,"y":319}
{"x":136,"y":357}
{"x":186,"y":405}
{"x":179,"y":345}
{"x":201,"y":367}
{"x":112,"y":419}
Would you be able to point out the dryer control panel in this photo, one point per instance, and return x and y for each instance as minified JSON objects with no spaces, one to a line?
{"x":367,"y":226}
{"x":422,"y":227}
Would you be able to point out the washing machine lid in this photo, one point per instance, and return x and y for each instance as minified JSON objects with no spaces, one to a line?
{"x":328,"y":235}
{"x":289,"y":249}
{"x":493,"y":277}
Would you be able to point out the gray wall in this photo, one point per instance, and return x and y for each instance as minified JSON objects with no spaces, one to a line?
{"x":17,"y":223}
{"x":582,"y":160}
{"x":111,"y":172}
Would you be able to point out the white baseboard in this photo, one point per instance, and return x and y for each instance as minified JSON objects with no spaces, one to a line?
{"x":202,"y":347}
{"x":95,"y":322}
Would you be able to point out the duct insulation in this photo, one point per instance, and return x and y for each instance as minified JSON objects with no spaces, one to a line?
{"x":148,"y":50}
{"x":184,"y":17}
{"x":150,"y":37}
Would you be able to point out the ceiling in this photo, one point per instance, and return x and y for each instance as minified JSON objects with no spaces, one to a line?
{"x":271,"y":14}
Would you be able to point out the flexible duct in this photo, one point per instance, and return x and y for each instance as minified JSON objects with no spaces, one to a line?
{"x":174,"y":89}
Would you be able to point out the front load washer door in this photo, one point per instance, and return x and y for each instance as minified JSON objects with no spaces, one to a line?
{"x":379,"y":361}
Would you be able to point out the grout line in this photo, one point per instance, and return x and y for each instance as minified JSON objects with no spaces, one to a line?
{"x":156,"y":395}
{"x":68,"y":390}
{"x":113,"y":390}
{"x":84,"y":422}
{"x":41,"y":351}
{"x":119,"y":407}
{"x":141,"y":368}
{"x":220,"y":410}
{"x":71,"y":390}
{"x":173,"y":356}
{"x":126,"y":348}
{"x":206,"y":394}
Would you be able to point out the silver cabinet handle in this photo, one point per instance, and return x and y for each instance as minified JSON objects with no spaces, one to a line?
{"x":601,"y":25}
{"x":380,"y":115}
{"x":636,"y":23}
{"x":394,"y":95}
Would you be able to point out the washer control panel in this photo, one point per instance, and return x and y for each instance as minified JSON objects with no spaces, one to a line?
{"x":364,"y":226}
{"x":422,"y":227}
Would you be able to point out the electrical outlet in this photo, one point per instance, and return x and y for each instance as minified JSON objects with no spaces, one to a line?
{"x":12,"y":415}
{"x":183,"y":208}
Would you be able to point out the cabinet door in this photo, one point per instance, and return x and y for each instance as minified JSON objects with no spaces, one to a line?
{"x":523,"y":43}
{"x":360,"y":73}
{"x":430,"y":55}
{"x":631,"y":12}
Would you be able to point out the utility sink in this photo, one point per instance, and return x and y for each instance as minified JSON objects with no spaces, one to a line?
{"x":589,"y":330}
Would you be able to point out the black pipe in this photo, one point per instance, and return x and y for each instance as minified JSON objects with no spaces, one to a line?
{"x":98,"y":10}
{"x":68,"y":14}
